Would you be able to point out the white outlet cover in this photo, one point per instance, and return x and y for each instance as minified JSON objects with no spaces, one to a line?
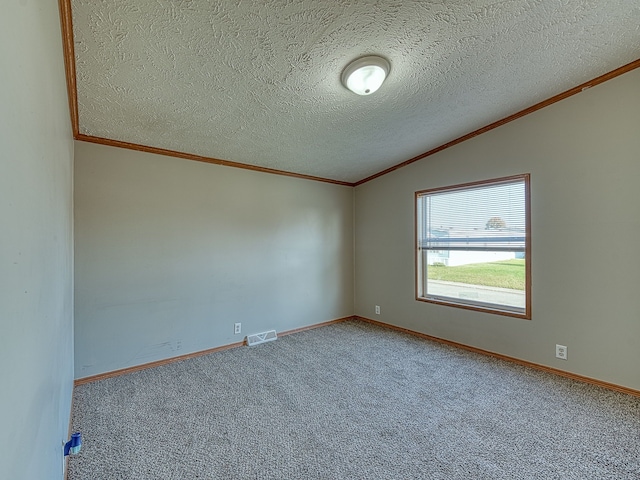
{"x":561,"y":352}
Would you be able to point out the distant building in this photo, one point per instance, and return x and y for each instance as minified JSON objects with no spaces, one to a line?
{"x":461,"y":247}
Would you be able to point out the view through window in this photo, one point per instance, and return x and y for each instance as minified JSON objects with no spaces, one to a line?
{"x":473,"y":245}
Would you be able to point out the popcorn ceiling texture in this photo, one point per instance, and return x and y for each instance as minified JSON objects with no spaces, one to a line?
{"x":258,"y":82}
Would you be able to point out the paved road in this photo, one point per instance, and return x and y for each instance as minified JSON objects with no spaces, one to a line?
{"x":463,"y":291}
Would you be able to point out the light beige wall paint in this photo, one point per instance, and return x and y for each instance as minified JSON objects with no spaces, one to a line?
{"x":170,"y":253}
{"x":583,"y":157}
{"x":36,"y":243}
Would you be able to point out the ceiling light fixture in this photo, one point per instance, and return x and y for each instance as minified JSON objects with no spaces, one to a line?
{"x":365,"y":75}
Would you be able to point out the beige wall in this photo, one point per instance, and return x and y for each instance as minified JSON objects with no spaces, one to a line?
{"x":36,"y":244}
{"x":583,"y":156}
{"x":170,"y":253}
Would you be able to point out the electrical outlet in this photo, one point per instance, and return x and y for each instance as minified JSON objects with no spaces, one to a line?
{"x":237,"y":328}
{"x":561,"y":352}
{"x":377,"y":309}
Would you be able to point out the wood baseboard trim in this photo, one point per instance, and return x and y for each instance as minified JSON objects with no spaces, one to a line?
{"x":316,"y":325}
{"x":544,"y":368}
{"x":158,"y":363}
{"x":537,"y":366}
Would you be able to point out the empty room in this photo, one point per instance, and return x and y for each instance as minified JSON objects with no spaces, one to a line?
{"x":320,"y":239}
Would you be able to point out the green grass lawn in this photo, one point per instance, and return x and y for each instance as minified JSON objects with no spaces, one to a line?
{"x":505,"y":274}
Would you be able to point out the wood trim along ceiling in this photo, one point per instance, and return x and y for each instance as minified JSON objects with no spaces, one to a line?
{"x":66,"y":21}
{"x":198,"y":158}
{"x":70,"y":70}
{"x":158,"y":363}
{"x":66,"y":24}
{"x":537,"y":366}
{"x":545,"y":103}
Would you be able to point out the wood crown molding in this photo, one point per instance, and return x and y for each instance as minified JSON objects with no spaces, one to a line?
{"x":166,"y":361}
{"x":534,"y":108}
{"x":66,"y":20}
{"x":537,"y":366}
{"x":215,"y":161}
{"x":66,"y":24}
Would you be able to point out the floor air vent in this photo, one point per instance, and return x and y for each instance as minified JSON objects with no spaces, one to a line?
{"x":261,"y":338}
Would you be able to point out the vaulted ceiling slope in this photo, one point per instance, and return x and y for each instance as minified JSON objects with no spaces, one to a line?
{"x":257,"y":82}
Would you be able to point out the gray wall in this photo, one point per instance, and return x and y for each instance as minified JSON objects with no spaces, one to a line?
{"x":583,"y":156}
{"x":36,"y":243}
{"x":170,"y":253}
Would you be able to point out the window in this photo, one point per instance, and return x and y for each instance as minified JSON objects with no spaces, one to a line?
{"x":472,"y":246}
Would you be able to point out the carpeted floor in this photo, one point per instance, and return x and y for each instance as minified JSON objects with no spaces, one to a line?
{"x":352,"y":401}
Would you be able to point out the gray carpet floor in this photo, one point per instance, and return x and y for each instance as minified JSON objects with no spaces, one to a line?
{"x":352,"y":401}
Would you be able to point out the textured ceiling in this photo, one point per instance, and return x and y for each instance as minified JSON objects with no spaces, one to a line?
{"x":258,"y":82}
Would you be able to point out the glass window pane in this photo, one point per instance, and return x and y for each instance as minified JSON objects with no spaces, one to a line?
{"x":472,"y":244}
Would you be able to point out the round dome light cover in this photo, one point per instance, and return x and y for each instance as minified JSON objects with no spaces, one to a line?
{"x":365,"y":75}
